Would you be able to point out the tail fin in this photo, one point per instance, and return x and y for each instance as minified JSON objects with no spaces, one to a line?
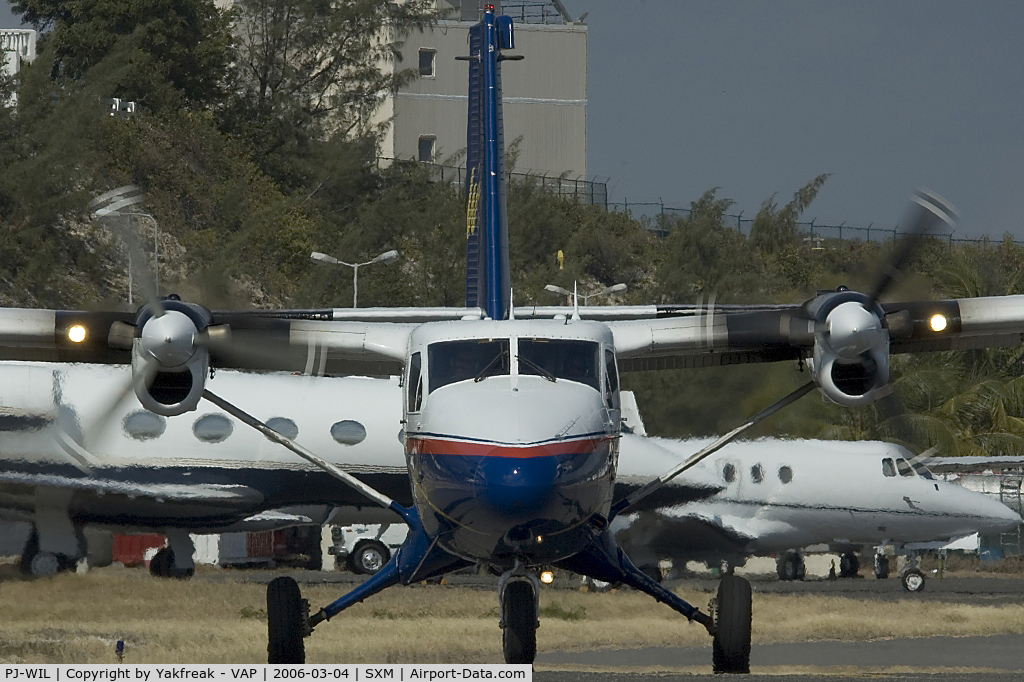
{"x":487,"y":266}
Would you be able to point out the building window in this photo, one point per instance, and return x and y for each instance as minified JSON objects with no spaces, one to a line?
{"x":427,"y":60}
{"x":426,"y":150}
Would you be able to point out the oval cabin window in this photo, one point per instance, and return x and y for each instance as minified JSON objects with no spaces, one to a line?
{"x":348,"y":432}
{"x":212,"y":428}
{"x":284,"y":426}
{"x":144,"y":425}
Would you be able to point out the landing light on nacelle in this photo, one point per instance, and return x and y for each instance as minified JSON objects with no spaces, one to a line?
{"x":76,"y":333}
{"x":937,"y":322}
{"x":547,"y":577}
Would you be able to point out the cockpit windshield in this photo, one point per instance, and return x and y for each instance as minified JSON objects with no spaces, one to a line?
{"x":451,"y":361}
{"x":560,"y":359}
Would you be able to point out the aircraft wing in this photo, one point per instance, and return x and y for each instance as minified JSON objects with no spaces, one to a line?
{"x":702,"y":336}
{"x":207,"y":495}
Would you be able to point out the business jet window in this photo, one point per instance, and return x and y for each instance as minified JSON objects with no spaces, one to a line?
{"x":451,"y":361}
{"x":785,"y":474}
{"x":348,"y":432}
{"x":729,"y":473}
{"x":212,"y":428}
{"x":888,"y":468}
{"x":144,"y":425}
{"x":757,"y":473}
{"x":904,"y":467}
{"x":557,"y":359}
{"x":286,"y":427}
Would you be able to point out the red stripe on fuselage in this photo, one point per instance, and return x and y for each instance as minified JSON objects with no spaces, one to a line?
{"x":440,"y":446}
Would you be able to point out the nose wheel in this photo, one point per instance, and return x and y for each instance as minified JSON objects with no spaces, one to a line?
{"x":519,"y":618}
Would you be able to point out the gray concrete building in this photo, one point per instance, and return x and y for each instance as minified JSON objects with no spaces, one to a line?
{"x":545,"y":94}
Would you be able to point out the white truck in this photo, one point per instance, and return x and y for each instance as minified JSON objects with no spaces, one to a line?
{"x":365,"y":548}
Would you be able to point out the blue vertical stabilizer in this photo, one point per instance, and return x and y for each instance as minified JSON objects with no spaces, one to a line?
{"x":487,"y":266}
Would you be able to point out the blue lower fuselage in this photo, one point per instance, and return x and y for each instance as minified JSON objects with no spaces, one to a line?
{"x":496,"y":502}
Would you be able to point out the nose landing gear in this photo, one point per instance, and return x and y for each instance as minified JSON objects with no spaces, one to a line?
{"x":520,"y":615}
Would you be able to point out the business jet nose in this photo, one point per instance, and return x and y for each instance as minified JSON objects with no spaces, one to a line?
{"x":999,"y":518}
{"x":516,"y":486}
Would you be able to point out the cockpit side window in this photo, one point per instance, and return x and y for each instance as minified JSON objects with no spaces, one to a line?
{"x":904,"y":467}
{"x":888,"y":468}
{"x":452,"y":361}
{"x":561,"y":359}
{"x":611,"y":380}
{"x":414,"y":386}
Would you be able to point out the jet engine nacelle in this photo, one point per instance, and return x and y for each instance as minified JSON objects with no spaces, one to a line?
{"x":850,"y":361}
{"x":170,"y":359}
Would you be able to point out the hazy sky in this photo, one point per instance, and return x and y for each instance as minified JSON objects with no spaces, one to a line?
{"x":759,"y":97}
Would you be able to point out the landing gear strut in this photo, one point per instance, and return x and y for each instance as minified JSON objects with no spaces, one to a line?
{"x":790,"y":566}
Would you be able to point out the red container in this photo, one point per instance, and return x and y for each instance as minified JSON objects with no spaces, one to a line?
{"x":130,"y":550}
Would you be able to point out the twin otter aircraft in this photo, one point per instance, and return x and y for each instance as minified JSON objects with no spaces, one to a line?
{"x":511,"y":416}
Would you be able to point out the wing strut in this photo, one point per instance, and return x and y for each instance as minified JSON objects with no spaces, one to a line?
{"x":345,"y":477}
{"x":693,"y":459}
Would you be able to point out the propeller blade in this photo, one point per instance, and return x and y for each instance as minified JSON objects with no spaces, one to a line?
{"x":927,"y":211}
{"x":141,"y":378}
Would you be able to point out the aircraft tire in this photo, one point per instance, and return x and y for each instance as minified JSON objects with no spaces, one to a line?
{"x":162,"y":566}
{"x":519,"y":636}
{"x":731,"y":648}
{"x":285,"y":626}
{"x":912,"y":580}
{"x":881,"y":567}
{"x":368,"y":557}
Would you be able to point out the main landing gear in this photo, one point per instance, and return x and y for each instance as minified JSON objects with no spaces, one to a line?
{"x":287,"y":622}
{"x":730,"y":612}
{"x":790,"y":566}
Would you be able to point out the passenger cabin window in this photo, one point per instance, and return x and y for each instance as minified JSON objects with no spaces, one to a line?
{"x":559,"y":359}
{"x":888,"y":468}
{"x":757,"y":473}
{"x":904,"y":467}
{"x":729,"y":473}
{"x":785,"y":474}
{"x":414,"y":385}
{"x":476,"y":359}
{"x":611,"y":380}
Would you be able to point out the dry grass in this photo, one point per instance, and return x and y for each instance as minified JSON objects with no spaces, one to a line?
{"x":78,"y":618}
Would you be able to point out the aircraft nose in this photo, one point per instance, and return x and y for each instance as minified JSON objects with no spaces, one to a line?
{"x":1000,"y":518}
{"x":515,"y":486}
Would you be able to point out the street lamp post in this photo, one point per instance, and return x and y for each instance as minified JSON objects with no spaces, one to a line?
{"x":323,"y":259}
{"x":613,"y":289}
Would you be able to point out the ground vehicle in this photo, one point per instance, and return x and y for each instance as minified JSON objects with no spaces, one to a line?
{"x":365,"y":548}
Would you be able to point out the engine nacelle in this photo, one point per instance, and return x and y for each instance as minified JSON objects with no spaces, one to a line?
{"x":168,"y":362}
{"x":850,"y":362}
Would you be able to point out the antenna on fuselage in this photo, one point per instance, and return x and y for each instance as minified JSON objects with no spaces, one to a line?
{"x":487,"y":264}
{"x":575,"y":301}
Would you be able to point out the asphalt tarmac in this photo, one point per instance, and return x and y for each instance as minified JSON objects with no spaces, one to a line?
{"x":935,"y":659}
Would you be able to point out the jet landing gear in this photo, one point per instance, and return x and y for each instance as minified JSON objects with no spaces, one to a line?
{"x":790,"y":566}
{"x":519,"y":596}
